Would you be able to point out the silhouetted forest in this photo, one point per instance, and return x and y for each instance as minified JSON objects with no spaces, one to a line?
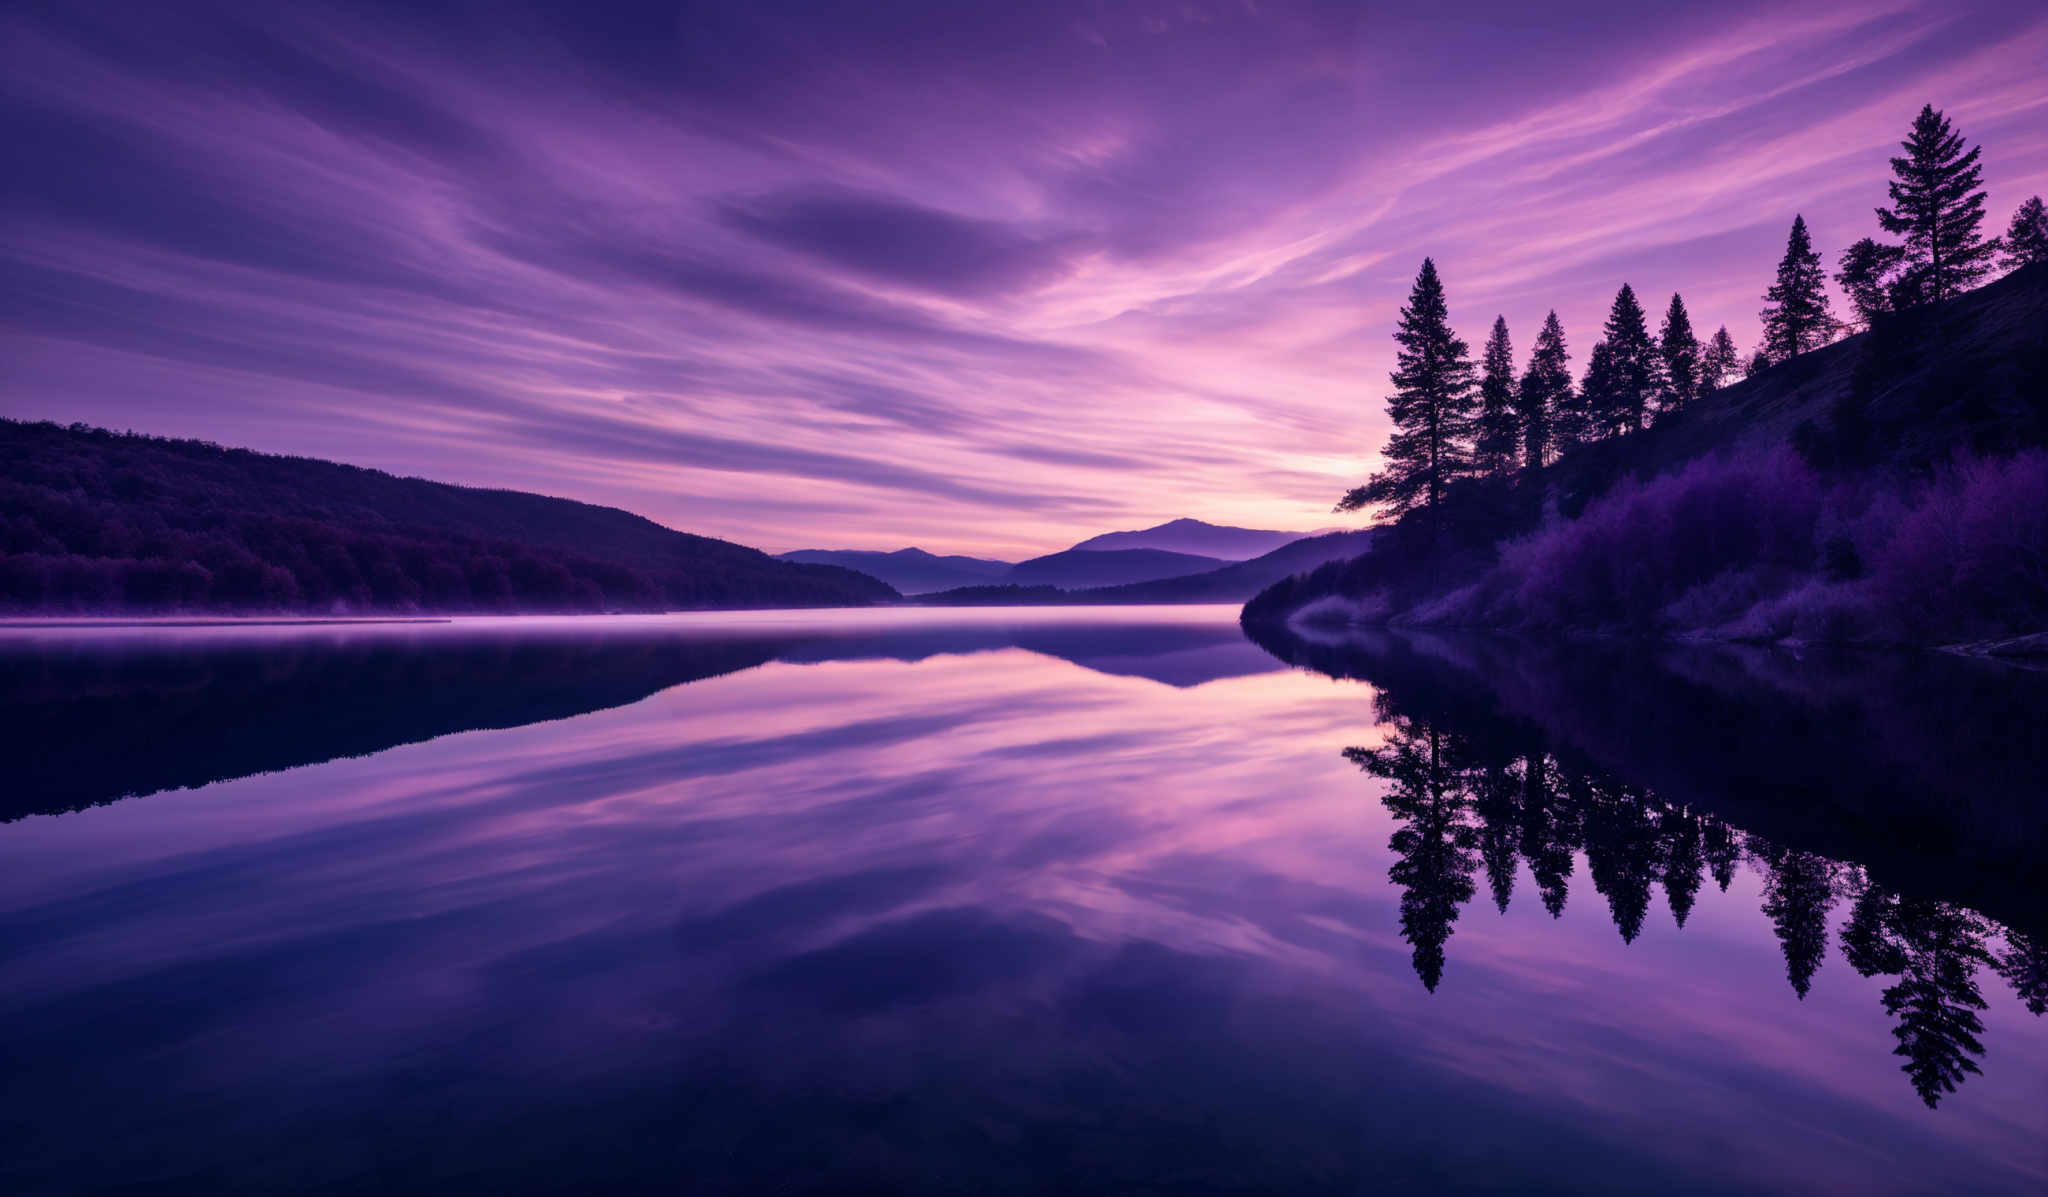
{"x":96,"y":521}
{"x":1482,"y":800}
{"x":1891,"y":487}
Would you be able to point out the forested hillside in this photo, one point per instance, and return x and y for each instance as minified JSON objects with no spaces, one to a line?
{"x":1882,"y":485}
{"x":94,"y":521}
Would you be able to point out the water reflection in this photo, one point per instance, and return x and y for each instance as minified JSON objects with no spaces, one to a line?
{"x":1472,"y":802}
{"x":1006,"y":905}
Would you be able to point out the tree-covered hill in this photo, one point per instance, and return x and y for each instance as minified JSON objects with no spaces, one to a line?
{"x":96,"y":521}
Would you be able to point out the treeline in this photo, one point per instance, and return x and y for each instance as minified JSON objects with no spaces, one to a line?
{"x":1455,"y":419}
{"x":94,"y":521}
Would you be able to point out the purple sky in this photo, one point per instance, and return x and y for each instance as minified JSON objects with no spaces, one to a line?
{"x":981,"y":278}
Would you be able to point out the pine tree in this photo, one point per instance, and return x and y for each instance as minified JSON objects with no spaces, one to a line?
{"x":1545,"y":396}
{"x":2026,"y":239}
{"x":1494,"y":447}
{"x":1868,"y":275}
{"x":1592,"y":417}
{"x":1758,"y":363}
{"x":1636,"y":369}
{"x":1798,"y":318}
{"x":1719,"y":363}
{"x":1431,"y":408}
{"x":1937,"y":206}
{"x":1680,"y":351}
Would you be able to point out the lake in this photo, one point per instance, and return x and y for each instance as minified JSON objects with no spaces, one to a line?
{"x":939,"y":901}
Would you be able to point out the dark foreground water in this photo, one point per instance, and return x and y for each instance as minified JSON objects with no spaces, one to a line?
{"x":1011,"y":901}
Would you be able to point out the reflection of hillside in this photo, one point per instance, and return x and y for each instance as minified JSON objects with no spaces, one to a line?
{"x":87,"y":724}
{"x":1474,"y":791}
{"x":1920,"y":767}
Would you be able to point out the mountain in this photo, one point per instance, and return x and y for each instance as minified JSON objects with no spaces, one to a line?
{"x":1886,"y":488}
{"x":1232,"y":583}
{"x":96,"y":521}
{"x":1077,"y":569}
{"x":912,"y":571}
{"x":1195,"y":537}
{"x":1238,"y":582}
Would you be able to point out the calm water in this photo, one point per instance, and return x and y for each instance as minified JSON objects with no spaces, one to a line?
{"x":1003,"y":901}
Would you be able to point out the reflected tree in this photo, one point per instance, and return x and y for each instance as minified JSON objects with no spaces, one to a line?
{"x":2024,"y":965}
{"x":1685,"y":862}
{"x":1547,"y":832}
{"x":1436,"y":843}
{"x":1935,"y":949}
{"x":1799,"y":892}
{"x":1621,"y":854}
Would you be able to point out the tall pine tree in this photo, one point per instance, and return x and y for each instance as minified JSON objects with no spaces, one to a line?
{"x":1635,"y":369}
{"x":1798,"y":318}
{"x":1494,"y":442}
{"x":2026,"y":239}
{"x":1937,"y":205}
{"x":1719,"y":363}
{"x":1545,"y":395}
{"x":1868,"y":273}
{"x":1592,"y":417}
{"x":1431,"y":408}
{"x":1680,"y":351}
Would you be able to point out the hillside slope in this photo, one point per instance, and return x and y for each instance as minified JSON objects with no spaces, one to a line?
{"x":97,"y":521}
{"x":1077,"y":569}
{"x":1882,"y":488}
{"x":1197,"y":538}
{"x":911,"y":571}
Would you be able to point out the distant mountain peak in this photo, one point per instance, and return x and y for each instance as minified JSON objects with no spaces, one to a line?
{"x":1185,"y":534}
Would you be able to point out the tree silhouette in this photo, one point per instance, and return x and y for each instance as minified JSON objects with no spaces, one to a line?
{"x":1799,"y":891}
{"x":1679,"y":350}
{"x":1685,"y":862}
{"x":1621,"y":854}
{"x":1719,"y":362}
{"x":2024,"y":965}
{"x":1934,"y":948}
{"x":1496,"y":435}
{"x":1593,"y":417}
{"x":1495,"y":789}
{"x":1431,"y":408}
{"x":1866,"y":276}
{"x":1545,"y":394}
{"x":1937,"y":207}
{"x":2026,"y":238}
{"x":1636,"y":368}
{"x":1546,"y":834}
{"x":1723,"y":851}
{"x":1435,"y":843}
{"x":1797,"y":318}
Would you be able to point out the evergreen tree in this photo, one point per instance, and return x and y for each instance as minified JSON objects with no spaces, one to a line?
{"x":1637,"y":370}
{"x":1434,"y":847}
{"x":1798,"y":318}
{"x":1593,"y":416}
{"x":1757,"y":364}
{"x":1868,"y":275}
{"x":2026,"y":238}
{"x":1431,"y":408}
{"x":1545,"y":396}
{"x":1494,"y":447}
{"x":1719,"y":363}
{"x":1680,"y":351}
{"x":1937,"y":205}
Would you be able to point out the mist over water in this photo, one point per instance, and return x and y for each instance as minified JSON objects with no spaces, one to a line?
{"x":1009,"y":900}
